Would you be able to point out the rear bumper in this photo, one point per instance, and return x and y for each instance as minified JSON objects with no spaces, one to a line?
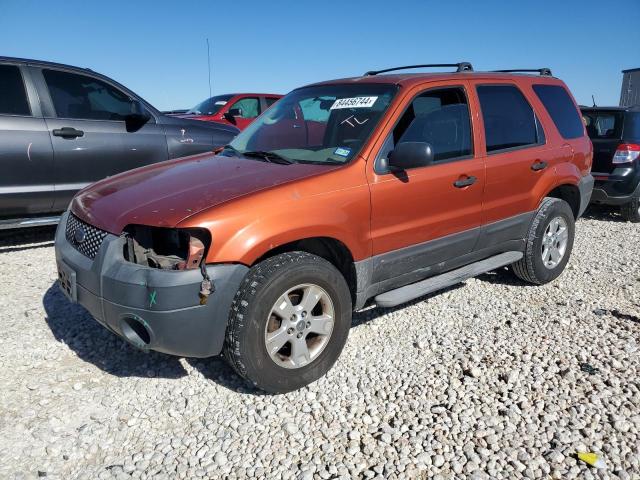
{"x":130,"y":299}
{"x":618,"y":187}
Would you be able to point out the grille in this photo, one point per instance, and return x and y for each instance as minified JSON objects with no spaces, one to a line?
{"x":91,"y":240}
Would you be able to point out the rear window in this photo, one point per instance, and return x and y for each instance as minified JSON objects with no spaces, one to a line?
{"x":561,"y":108}
{"x":603,"y":125}
{"x":13,"y":97}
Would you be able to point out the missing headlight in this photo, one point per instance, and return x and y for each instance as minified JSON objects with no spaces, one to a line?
{"x":166,"y":248}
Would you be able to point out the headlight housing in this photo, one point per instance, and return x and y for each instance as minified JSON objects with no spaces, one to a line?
{"x":166,"y":248}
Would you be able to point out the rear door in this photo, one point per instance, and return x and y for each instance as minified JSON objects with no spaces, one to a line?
{"x":517,"y":159}
{"x":26,"y":155}
{"x":604,"y":128}
{"x":85,"y":116}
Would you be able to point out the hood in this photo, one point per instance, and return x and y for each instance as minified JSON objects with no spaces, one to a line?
{"x":197,"y":121}
{"x":166,"y":193}
{"x":194,"y":117}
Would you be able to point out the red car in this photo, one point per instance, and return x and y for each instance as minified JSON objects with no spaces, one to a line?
{"x":237,"y":109}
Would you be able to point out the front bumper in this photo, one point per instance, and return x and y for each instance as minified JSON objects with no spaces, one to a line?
{"x":151,"y":308}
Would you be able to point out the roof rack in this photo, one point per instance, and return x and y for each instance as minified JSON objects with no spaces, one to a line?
{"x":542,"y":71}
{"x":461,"y":67}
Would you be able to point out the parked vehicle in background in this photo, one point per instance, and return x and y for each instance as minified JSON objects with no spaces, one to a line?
{"x":615,"y":133}
{"x":175,"y":112}
{"x":384,"y":187}
{"x":237,"y":109}
{"x":63,"y":127}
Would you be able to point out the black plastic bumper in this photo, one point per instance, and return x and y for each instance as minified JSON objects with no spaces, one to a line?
{"x":151,"y":308}
{"x":585,"y":185}
{"x":617,"y":187}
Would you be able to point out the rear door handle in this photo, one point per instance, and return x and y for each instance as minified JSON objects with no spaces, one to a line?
{"x":465,"y":182}
{"x":538,"y":165}
{"x":67,"y":132}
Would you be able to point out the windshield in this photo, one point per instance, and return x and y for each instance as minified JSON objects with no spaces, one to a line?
{"x":210,"y":106}
{"x":323,"y":124}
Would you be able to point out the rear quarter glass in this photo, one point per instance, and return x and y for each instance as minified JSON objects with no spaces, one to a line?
{"x":632,"y":127}
{"x":561,"y":109}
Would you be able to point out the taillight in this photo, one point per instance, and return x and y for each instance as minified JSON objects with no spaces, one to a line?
{"x":626,"y":153}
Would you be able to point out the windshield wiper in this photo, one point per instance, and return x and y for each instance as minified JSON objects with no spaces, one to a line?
{"x":268,"y":156}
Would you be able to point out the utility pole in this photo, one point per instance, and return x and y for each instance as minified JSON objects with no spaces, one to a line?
{"x":209,"y":65}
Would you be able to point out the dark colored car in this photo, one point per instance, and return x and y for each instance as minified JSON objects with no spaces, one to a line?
{"x":62,"y":128}
{"x":384,"y":187}
{"x":615,"y":133}
{"x":237,"y":109}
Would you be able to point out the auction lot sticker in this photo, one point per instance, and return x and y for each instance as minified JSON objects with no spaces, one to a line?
{"x":354,"y":102}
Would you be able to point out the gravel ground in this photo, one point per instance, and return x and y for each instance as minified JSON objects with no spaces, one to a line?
{"x":490,"y":379}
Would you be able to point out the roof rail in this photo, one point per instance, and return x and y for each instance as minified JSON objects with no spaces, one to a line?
{"x":542,"y":71}
{"x":461,"y":67}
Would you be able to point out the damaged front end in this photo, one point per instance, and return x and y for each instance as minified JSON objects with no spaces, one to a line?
{"x":169,"y":249}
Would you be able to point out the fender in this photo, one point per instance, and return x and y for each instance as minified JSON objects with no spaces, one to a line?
{"x":245,"y":229}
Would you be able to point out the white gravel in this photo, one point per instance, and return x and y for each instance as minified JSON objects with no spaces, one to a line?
{"x":491,"y":379}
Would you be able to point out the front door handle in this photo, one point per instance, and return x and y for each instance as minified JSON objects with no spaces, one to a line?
{"x":538,"y":165}
{"x":67,"y":132}
{"x":465,"y":182}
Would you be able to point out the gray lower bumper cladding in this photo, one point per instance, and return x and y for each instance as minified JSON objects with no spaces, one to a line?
{"x":151,"y":308}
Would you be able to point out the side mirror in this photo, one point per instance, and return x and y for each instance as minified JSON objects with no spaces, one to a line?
{"x":137,"y":118}
{"x":232,"y":113}
{"x":410,"y":155}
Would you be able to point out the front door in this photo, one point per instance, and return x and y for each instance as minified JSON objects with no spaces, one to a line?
{"x":423,"y":216}
{"x":26,"y":156}
{"x":243,"y":112}
{"x":89,"y":134}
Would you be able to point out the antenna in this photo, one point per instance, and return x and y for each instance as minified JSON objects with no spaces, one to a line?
{"x":209,"y":65}
{"x":593,"y":99}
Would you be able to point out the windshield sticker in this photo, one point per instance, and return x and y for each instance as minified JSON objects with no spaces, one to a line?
{"x":353,"y":121}
{"x":354,"y":102}
{"x":343,"y":152}
{"x":220,"y":102}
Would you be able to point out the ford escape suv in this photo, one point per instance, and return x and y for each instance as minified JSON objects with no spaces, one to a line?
{"x":615,"y":133}
{"x":380,"y":188}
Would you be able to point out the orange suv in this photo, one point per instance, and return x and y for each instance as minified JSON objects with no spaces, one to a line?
{"x":383,"y":187}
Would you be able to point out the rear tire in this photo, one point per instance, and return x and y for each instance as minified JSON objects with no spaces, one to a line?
{"x":631,"y":211}
{"x":288,"y":322}
{"x":548,"y":244}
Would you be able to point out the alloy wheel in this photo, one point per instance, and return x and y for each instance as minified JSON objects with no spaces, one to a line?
{"x":554,"y":242}
{"x":299,"y":326}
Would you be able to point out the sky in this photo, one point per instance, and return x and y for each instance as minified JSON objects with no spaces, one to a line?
{"x":158,"y":48}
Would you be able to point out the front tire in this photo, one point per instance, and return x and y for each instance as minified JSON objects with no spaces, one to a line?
{"x":288,"y":322}
{"x":548,"y":244}
{"x":631,"y":211}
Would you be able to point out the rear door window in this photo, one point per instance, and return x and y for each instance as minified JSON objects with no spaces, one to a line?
{"x":562,"y":110}
{"x":81,"y":97}
{"x":13,"y":97}
{"x":509,"y":120}
{"x":270,"y":101}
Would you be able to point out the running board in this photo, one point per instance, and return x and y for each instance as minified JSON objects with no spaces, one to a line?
{"x":28,"y":222}
{"x":444,"y":280}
